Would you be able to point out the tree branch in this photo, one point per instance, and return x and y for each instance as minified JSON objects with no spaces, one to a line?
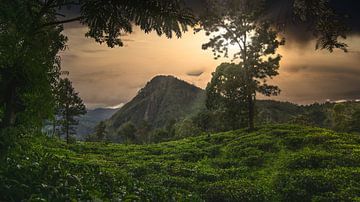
{"x":235,"y":36}
{"x":62,"y":21}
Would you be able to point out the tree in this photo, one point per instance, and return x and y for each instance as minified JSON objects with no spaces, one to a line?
{"x":236,"y":24}
{"x":159,"y":135}
{"x":127,"y":132}
{"x":100,"y":131}
{"x":70,"y":106}
{"x":186,"y":128}
{"x":143,"y":131}
{"x":341,"y":117}
{"x":28,"y":64}
{"x":225,"y":95}
{"x":355,"y":121}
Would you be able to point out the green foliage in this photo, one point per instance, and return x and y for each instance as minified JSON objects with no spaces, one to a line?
{"x":100,"y":133}
{"x":108,"y":20}
{"x":159,"y":135}
{"x":70,"y":105}
{"x":239,"y":24}
{"x":186,"y":128}
{"x":225,"y":94}
{"x":327,"y":26}
{"x":28,"y":63}
{"x":128,"y":132}
{"x":273,"y":163}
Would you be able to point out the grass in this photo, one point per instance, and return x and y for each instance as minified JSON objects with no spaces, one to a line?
{"x":273,"y":163}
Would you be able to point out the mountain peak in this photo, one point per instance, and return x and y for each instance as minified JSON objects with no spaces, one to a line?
{"x":162,"y":100}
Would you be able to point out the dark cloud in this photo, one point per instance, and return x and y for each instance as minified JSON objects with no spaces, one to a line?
{"x":309,"y":83}
{"x":94,"y":51}
{"x":349,"y":71}
{"x":350,"y":8}
{"x":70,"y":57}
{"x":296,"y":69}
{"x":281,"y":11}
{"x":195,"y":73}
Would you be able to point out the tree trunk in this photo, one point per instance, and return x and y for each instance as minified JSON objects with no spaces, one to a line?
{"x":54,"y":127}
{"x":67,"y":132}
{"x":251,"y":111}
{"x":67,"y":123}
{"x":10,"y":107}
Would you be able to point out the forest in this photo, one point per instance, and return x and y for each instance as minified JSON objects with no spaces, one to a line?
{"x":173,"y":141}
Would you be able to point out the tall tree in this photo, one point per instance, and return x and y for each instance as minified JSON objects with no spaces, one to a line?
{"x":70,"y":106}
{"x":236,"y":24}
{"x":28,"y":64}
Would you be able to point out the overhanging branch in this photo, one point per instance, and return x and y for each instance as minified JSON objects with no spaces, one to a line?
{"x":62,"y":21}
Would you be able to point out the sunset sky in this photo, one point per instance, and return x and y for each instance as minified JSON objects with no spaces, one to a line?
{"x":107,"y":77}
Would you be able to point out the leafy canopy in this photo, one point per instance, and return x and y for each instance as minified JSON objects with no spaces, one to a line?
{"x":237,"y":23}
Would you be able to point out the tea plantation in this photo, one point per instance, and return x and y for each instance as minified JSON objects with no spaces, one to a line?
{"x":273,"y":163}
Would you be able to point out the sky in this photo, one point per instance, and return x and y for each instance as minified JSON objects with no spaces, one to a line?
{"x":110,"y":77}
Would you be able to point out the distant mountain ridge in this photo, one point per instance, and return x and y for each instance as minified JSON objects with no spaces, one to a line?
{"x":163,"y":100}
{"x":88,"y":121}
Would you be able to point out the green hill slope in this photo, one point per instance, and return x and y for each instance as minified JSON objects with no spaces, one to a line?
{"x":163,"y":100}
{"x":274,"y":163}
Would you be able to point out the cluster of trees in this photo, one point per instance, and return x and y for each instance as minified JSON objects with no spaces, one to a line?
{"x":243,"y":26}
{"x":131,"y":133}
{"x":341,"y":117}
{"x":346,"y":118}
{"x":144,"y":133}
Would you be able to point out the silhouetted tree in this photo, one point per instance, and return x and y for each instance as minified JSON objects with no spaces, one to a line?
{"x":236,"y":23}
{"x":100,"y":131}
{"x":70,"y":106}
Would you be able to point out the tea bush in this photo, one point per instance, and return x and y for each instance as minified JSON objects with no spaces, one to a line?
{"x":273,"y":163}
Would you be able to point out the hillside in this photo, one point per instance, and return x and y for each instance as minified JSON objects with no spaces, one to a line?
{"x":271,"y":111}
{"x":163,"y":100}
{"x":274,"y":163}
{"x":88,"y":121}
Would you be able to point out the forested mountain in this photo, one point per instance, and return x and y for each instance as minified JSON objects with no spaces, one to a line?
{"x":163,"y":101}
